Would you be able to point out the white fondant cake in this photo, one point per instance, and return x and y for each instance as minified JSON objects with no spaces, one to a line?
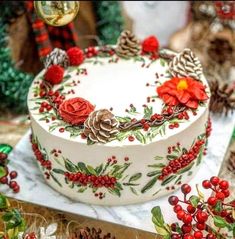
{"x":120,"y":130}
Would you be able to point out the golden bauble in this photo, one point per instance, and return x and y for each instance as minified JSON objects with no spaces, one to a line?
{"x":56,"y":13}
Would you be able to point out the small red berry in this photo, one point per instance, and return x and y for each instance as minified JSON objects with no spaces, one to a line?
{"x":226,"y":193}
{"x":220,"y":196}
{"x":16,"y":189}
{"x":191,"y":209}
{"x":61,"y":130}
{"x":187,"y":219}
{"x":4,"y":180}
{"x":173,"y":200}
{"x":206,"y":184}
{"x":131,"y":138}
{"x":12,"y":184}
{"x":198,"y":234}
{"x":177,"y":208}
{"x":214,"y":180}
{"x":54,"y":74}
{"x":185,"y":188}
{"x":200,"y":226}
{"x":201,"y":217}
{"x":187,"y":236}
{"x":13,"y":174}
{"x":224,"y":185}
{"x":186,"y":228}
{"x":212,"y":201}
{"x":180,"y":214}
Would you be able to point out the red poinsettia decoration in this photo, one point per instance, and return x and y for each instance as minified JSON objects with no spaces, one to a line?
{"x":185,"y":91}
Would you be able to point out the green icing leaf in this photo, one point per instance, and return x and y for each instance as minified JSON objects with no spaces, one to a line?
{"x":69,"y":166}
{"x":148,"y":111}
{"x":59,"y":171}
{"x":168,"y":180}
{"x":91,"y":170}
{"x":55,"y":179}
{"x":187,"y":168}
{"x":135,"y":177}
{"x":149,"y":185}
{"x":140,"y":137}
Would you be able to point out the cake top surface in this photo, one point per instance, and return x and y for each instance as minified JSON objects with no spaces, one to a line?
{"x":118,"y":96}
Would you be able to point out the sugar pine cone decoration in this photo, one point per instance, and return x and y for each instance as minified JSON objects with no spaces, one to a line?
{"x":90,"y":233}
{"x":57,"y":57}
{"x":127,"y":45}
{"x":222,"y":98}
{"x":220,"y":50}
{"x":101,"y":126}
{"x":186,"y":64}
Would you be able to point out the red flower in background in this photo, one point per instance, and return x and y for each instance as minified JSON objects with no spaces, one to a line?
{"x":225,"y":10}
{"x":76,"y":110}
{"x":185,"y":91}
{"x":150,"y":45}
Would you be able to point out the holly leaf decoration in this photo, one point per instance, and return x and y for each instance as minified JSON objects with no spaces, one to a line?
{"x":162,"y":228}
{"x":4,"y":203}
{"x":5,"y":148}
{"x":219,"y":222}
{"x":2,"y":171}
{"x":194,"y":200}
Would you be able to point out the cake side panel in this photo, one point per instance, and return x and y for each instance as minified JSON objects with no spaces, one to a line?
{"x":100,"y":174}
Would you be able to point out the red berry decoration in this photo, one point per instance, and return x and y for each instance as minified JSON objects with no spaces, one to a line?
{"x":198,"y":234}
{"x":212,"y":201}
{"x":185,"y":188}
{"x":13,"y":174}
{"x":4,"y":180}
{"x":54,"y":74}
{"x":173,"y":200}
{"x":214,"y":181}
{"x":13,"y":184}
{"x":187,"y":219}
{"x":224,"y":185}
{"x":206,"y":184}
{"x":220,"y":196}
{"x":76,"y":56}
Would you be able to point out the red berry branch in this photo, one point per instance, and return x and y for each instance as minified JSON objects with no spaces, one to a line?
{"x":199,"y":218}
{"x":6,"y":176}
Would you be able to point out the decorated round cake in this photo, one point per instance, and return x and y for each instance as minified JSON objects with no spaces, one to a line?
{"x":121,"y":124}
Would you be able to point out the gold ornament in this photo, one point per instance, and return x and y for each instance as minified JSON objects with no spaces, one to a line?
{"x":56,"y":13}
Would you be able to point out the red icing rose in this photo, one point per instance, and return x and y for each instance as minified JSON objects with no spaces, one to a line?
{"x":185,"y":91}
{"x":76,"y":110}
{"x":150,"y":44}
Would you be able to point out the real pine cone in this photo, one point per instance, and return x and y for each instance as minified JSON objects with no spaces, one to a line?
{"x":222,"y":99}
{"x":57,"y":57}
{"x":186,"y":64}
{"x":231,"y":162}
{"x":127,"y":45}
{"x":90,"y":233}
{"x":220,"y":50}
{"x":101,"y":126}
